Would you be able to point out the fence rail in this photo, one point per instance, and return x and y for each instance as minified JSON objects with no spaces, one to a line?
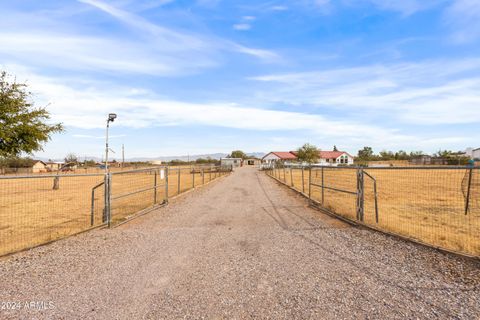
{"x":437,"y":206}
{"x":37,"y":209}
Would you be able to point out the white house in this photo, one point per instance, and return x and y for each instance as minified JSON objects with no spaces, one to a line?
{"x":328,"y":158}
{"x":473,"y":153}
{"x":282,"y":156}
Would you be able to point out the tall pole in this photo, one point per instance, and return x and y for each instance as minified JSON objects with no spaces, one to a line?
{"x":106,"y":147}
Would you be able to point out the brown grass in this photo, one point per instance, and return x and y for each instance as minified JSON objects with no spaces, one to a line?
{"x":32,"y":213}
{"x":427,"y":205}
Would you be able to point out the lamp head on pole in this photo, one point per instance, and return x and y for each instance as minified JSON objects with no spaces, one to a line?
{"x":112,"y":117}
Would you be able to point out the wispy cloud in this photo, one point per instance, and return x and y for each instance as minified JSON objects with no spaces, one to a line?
{"x":405,"y":7}
{"x":434,"y":92}
{"x":86,"y":110}
{"x":190,"y":41}
{"x":87,"y":136}
{"x":463,"y":16}
{"x":242,"y":26}
{"x":279,"y":8}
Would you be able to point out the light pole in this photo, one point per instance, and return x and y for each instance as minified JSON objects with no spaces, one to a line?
{"x":111,"y":118}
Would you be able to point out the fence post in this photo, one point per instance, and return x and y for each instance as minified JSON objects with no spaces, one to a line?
{"x":166,"y":184}
{"x":203,"y":176}
{"x":323,"y":188}
{"x":284,"y":176}
{"x":107,"y":218}
{"x":92,"y":208}
{"x":193,"y":178}
{"x":303,"y":180}
{"x":291,"y":176}
{"x":360,"y":194}
{"x":179,"y":181}
{"x":154,"y":187}
{"x":467,"y":201}
{"x":310,"y":184}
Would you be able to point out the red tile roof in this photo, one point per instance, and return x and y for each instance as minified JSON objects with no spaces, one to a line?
{"x":292,"y":155}
{"x":284,"y":155}
{"x":330,"y":154}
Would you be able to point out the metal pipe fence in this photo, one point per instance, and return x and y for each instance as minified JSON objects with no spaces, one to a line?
{"x":437,"y":206}
{"x":37,"y":209}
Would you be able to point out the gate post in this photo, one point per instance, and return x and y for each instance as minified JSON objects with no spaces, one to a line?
{"x":360,"y":195}
{"x":154,"y":187}
{"x":107,"y":218}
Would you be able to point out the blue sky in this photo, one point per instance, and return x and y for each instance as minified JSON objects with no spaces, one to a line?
{"x":190,"y":77}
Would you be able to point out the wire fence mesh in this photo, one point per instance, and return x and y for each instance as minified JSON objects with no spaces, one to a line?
{"x":438,"y":206}
{"x":37,"y":209}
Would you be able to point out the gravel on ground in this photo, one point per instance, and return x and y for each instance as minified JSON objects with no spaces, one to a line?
{"x":243,"y":247}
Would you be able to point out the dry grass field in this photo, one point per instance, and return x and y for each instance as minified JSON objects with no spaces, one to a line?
{"x":427,"y":205}
{"x":32,"y":212}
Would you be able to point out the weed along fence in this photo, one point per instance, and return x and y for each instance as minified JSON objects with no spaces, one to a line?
{"x":438,"y":206}
{"x":38,"y":209}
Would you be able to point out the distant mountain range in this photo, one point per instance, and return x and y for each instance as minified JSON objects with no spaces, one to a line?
{"x":166,"y":158}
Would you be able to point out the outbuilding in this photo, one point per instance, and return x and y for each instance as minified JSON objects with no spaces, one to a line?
{"x":252,"y":162}
{"x":231,"y":162}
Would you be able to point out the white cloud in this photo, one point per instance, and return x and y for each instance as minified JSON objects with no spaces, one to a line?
{"x":242,"y":26}
{"x":249,"y":18}
{"x":194,"y":41}
{"x":86,"y":108}
{"x":87,"y":136}
{"x":463,"y":16}
{"x":279,"y":8}
{"x":435,"y":92}
{"x":405,"y":7}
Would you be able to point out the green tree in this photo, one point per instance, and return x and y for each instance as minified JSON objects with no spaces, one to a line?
{"x":387,"y":155}
{"x":238,"y":154}
{"x":401,"y":155}
{"x":335,"y":148}
{"x":366,"y":153}
{"x":308,"y":153}
{"x":24,"y":127}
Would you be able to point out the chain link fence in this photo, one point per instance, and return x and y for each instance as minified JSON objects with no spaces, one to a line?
{"x":437,"y":206}
{"x":37,"y":209}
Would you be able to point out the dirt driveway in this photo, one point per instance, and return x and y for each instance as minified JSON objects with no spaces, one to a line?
{"x":242,"y":247}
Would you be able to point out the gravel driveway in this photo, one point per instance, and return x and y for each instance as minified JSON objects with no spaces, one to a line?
{"x":241,"y":247}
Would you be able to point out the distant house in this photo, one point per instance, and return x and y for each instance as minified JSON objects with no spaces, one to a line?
{"x":281,"y":156}
{"x":233,"y":162}
{"x":473,"y":153}
{"x":331,"y":158}
{"x":38,"y":167}
{"x":54,"y":165}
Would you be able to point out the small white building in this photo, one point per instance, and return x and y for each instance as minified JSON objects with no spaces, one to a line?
{"x":233,"y":162}
{"x":473,"y":153}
